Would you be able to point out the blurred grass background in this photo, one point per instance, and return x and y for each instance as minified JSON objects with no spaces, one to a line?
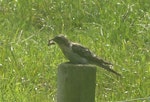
{"x":116,"y":30}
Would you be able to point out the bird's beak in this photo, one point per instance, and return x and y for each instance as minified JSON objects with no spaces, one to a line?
{"x":51,"y":42}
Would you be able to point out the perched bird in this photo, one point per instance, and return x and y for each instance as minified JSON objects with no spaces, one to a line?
{"x":77,"y":54}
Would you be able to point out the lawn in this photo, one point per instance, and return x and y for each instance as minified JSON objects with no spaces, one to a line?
{"x":116,"y":30}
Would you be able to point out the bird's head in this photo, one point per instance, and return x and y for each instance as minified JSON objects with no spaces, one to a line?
{"x":59,"y":39}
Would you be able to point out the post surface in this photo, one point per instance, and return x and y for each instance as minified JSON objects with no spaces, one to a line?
{"x":76,"y":83}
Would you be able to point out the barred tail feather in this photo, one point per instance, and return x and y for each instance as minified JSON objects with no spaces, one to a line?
{"x":108,"y":68}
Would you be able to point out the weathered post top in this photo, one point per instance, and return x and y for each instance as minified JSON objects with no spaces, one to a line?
{"x":76,"y":83}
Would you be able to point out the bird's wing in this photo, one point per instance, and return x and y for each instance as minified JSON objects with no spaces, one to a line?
{"x":86,"y":53}
{"x":92,"y":58}
{"x":82,"y":51}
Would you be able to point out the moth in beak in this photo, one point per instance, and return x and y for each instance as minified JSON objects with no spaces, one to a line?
{"x":51,"y":42}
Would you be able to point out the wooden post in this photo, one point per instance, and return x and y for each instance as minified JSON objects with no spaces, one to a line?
{"x":76,"y":83}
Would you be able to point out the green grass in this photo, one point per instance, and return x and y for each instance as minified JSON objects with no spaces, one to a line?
{"x":116,"y":30}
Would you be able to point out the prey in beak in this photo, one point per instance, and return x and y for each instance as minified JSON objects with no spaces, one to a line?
{"x":51,"y":42}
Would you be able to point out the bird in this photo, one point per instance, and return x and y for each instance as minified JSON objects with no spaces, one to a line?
{"x":78,"y":54}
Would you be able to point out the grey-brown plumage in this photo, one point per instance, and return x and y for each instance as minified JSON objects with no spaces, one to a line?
{"x":78,"y":54}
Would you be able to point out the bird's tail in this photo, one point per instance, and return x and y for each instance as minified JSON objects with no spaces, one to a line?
{"x":108,"y":68}
{"x":106,"y":65}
